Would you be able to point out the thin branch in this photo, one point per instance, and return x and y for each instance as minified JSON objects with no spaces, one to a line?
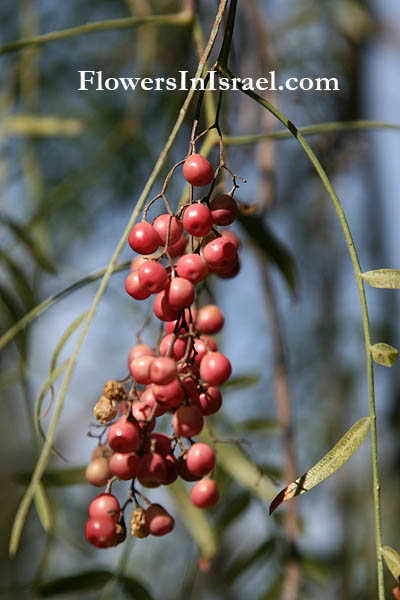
{"x":181,"y":18}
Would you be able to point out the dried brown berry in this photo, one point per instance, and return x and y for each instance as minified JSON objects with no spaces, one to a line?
{"x":120,"y":530}
{"x":138,"y":523}
{"x":113,"y":390}
{"x":105,"y":410}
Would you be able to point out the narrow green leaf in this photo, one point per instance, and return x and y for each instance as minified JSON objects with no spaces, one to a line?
{"x":134,"y":589}
{"x":196,"y":520}
{"x":331,"y":462}
{"x":57,"y":477}
{"x":242,"y":563}
{"x":384,"y":354}
{"x":383,"y":278}
{"x":46,"y":386}
{"x":233,"y":460}
{"x":392,"y":560}
{"x":43,"y":507}
{"x":19,"y":279}
{"x":237,"y":505}
{"x":42,"y":126}
{"x":81,"y":582}
{"x":29,"y":243}
{"x":64,"y":338}
{"x":242,"y":381}
{"x":272,"y":247}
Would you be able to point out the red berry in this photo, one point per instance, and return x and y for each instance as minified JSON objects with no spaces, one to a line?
{"x":204,"y":493}
{"x":178,"y":348}
{"x":142,"y":412}
{"x":105,"y":505}
{"x":124,"y":436}
{"x":223,"y":209}
{"x":100,"y":532}
{"x":124,"y":465}
{"x":171,"y":466}
{"x":140,"y":369}
{"x":98,"y":472}
{"x":169,"y":328}
{"x":203,"y":345}
{"x":135,"y":288}
{"x":158,"y":520}
{"x":158,"y":442}
{"x":163,"y":370}
{"x":190,"y":386}
{"x":163,"y":309}
{"x":170,"y":395}
{"x":192,"y":267}
{"x":210,"y":319}
{"x":197,"y":170}
{"x":183,"y":471}
{"x":137,"y":262}
{"x":197,"y":219}
{"x":180,"y":293}
{"x":151,"y":470}
{"x":161,"y":225}
{"x":220,"y":253}
{"x":229,"y":273}
{"x":148,"y":398}
{"x":187,"y":421}
{"x":152,"y":276}
{"x":210,"y":401}
{"x":144,"y":238}
{"x":178,"y":248}
{"x":140,"y":350}
{"x":200,"y":459}
{"x":231,"y":236}
{"x":215,"y":368}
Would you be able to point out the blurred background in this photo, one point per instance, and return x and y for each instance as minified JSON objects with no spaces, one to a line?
{"x":71,"y":169}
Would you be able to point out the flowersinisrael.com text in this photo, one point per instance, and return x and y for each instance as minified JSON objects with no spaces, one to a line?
{"x":95,"y":80}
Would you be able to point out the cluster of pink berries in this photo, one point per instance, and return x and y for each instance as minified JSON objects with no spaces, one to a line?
{"x":180,"y":376}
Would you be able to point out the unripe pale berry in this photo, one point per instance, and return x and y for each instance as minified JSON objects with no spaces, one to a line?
{"x":124,"y":436}
{"x":135,"y":288}
{"x":178,"y":348}
{"x":180,"y":293}
{"x":144,"y":238}
{"x":98,"y":472}
{"x":161,"y":225}
{"x":151,"y":470}
{"x":100,"y":532}
{"x":140,"y":369}
{"x":101,"y":451}
{"x":163,"y":309}
{"x":215,"y":368}
{"x":137,"y":262}
{"x":187,"y":421}
{"x":105,"y":505}
{"x":158,"y":520}
{"x":124,"y":465}
{"x":200,"y":459}
{"x":204,"y":493}
{"x":163,"y":370}
{"x":223,"y":209}
{"x":197,"y":170}
{"x":197,"y":219}
{"x":152,"y":276}
{"x":192,"y":267}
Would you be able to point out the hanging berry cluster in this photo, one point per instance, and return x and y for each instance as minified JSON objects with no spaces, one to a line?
{"x":181,"y":375}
